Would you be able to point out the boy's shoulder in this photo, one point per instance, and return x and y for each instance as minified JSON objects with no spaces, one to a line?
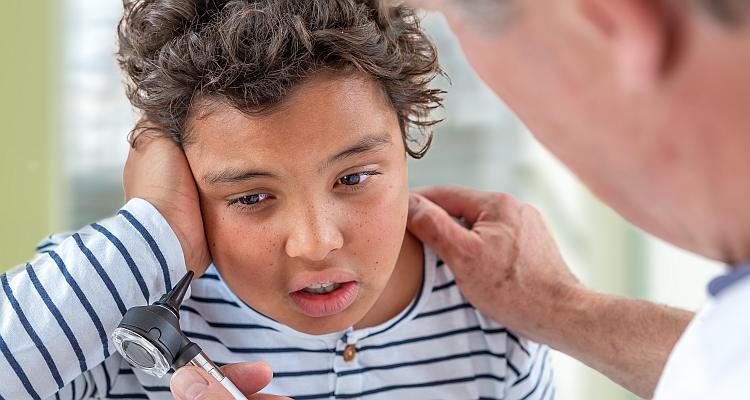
{"x":446,"y":295}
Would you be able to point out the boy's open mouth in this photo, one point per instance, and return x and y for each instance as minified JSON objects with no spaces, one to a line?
{"x":325,"y":298}
{"x":322,"y":288}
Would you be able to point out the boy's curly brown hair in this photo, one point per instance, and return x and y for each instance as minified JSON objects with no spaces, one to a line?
{"x":250,"y":54}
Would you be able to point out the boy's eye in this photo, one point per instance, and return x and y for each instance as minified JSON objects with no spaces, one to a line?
{"x":353,"y":179}
{"x":253,"y":199}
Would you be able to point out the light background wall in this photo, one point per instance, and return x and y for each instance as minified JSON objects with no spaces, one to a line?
{"x":29,"y":73}
{"x":65,"y":118}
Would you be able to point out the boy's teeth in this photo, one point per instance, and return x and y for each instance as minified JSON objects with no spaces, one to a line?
{"x":321,"y":288}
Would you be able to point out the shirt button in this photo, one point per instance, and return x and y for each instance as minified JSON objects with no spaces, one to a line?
{"x":350,"y":352}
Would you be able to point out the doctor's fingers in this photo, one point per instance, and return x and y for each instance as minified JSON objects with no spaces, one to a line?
{"x":192,"y":383}
{"x":472,"y":205}
{"x":443,"y":233}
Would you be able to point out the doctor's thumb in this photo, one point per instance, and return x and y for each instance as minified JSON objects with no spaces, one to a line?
{"x":192,"y":383}
{"x":189,"y":384}
{"x":436,"y":228}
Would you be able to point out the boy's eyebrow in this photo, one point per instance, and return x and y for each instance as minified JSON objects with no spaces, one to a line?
{"x":365,"y":144}
{"x":232,"y":175}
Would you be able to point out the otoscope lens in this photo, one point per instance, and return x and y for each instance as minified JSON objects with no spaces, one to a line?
{"x":138,"y":355}
{"x":139,"y":352}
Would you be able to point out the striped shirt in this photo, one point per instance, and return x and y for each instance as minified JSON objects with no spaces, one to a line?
{"x":59,"y":310}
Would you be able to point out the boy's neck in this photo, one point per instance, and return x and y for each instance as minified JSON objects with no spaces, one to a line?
{"x":402,"y":287}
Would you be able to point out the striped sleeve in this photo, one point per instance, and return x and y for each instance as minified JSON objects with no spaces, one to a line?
{"x":530,"y":373}
{"x":57,"y":311}
{"x":97,"y":383}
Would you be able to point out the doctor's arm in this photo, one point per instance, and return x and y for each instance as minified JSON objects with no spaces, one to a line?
{"x":509,"y":267}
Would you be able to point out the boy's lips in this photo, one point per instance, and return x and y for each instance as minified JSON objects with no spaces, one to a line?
{"x":322,"y":305}
{"x":308,"y":278}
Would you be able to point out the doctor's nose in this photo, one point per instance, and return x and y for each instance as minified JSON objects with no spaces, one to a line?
{"x":313,"y":236}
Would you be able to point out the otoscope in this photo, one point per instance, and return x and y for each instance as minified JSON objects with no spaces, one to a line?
{"x":150,"y":339}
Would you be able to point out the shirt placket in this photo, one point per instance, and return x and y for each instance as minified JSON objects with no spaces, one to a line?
{"x":347,"y":363}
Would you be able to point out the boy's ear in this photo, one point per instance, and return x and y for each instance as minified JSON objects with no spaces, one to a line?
{"x":638,"y":34}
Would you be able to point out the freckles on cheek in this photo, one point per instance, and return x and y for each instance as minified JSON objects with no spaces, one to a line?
{"x":241,"y":242}
{"x":379,"y":231}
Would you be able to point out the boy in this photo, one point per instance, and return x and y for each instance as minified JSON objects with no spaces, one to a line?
{"x":295,"y":118}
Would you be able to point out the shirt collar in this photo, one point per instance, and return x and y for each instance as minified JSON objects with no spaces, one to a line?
{"x":721,"y":283}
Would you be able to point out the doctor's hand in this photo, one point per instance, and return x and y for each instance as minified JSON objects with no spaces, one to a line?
{"x":508,"y":266}
{"x":158,"y":172}
{"x":192,"y":383}
{"x":507,"y":263}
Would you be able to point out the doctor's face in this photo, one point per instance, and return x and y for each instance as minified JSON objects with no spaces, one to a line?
{"x":642,"y":100}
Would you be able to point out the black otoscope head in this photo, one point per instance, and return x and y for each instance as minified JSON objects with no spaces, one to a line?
{"x":174,"y":297}
{"x":149,"y":337}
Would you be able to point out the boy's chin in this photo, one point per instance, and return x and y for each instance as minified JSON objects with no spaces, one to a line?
{"x":324,"y":325}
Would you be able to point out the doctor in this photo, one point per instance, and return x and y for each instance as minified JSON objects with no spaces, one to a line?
{"x":646,"y":101}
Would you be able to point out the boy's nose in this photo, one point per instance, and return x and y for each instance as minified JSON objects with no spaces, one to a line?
{"x":313,"y":236}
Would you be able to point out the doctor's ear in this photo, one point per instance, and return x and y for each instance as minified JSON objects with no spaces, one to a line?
{"x":638,"y":34}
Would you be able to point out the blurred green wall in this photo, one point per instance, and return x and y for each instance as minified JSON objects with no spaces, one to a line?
{"x":28,"y":157}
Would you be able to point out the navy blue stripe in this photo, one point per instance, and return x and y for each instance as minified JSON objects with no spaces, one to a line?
{"x":513,"y":368}
{"x":430,"y":337}
{"x":314,"y":396}
{"x":125,"y":371}
{"x":107,"y":379}
{"x":260,"y":350}
{"x":443,"y":310}
{"x":444,"y":286}
{"x":212,"y":300}
{"x":531,"y":367}
{"x":422,"y":362}
{"x":32,"y":334}
{"x":95,"y":390}
{"x":44,"y":246}
{"x":73,"y":389}
{"x":84,"y":301}
{"x":85,"y":387}
{"x":128,"y":259}
{"x":419,"y":385}
{"x":156,"y":388}
{"x":102,"y":274}
{"x":515,"y":338}
{"x":57,"y":396}
{"x":210,"y":276}
{"x":290,"y":374}
{"x":225,"y":324}
{"x":548,"y":385}
{"x":17,"y":369}
{"x":539,"y":379}
{"x":58,"y":317}
{"x":128,"y":396}
{"x":406,"y":314}
{"x":152,"y":243}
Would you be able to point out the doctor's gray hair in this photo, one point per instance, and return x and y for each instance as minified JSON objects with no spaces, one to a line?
{"x":731,"y":12}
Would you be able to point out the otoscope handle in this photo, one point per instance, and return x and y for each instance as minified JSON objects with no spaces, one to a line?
{"x":202,"y":361}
